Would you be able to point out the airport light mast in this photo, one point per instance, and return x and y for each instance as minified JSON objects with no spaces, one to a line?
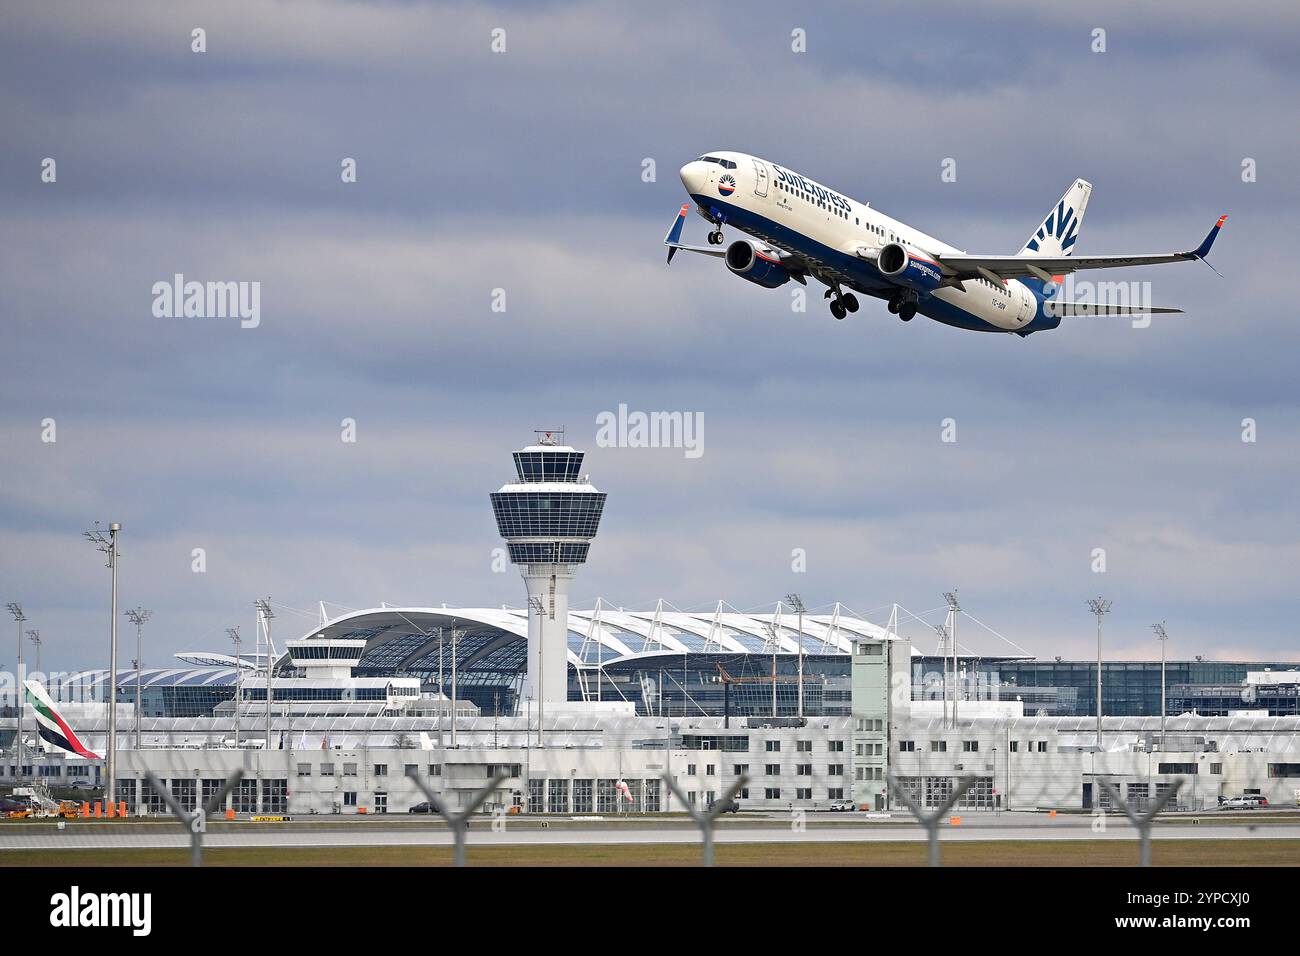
{"x":1100,"y":607}
{"x":264,"y":615}
{"x":35,"y":638}
{"x":16,"y":610}
{"x":239,"y":670}
{"x":1164,"y":642}
{"x":548,"y":516}
{"x":108,"y":545}
{"x":138,"y":616}
{"x":796,"y":603}
{"x":954,"y":608}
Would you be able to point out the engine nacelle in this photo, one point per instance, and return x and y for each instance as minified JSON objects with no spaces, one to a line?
{"x":756,"y":263}
{"x":909,"y":268}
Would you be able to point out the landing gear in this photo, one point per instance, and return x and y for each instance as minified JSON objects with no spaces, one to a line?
{"x":715,"y":237}
{"x":904,"y":306}
{"x":843,"y":303}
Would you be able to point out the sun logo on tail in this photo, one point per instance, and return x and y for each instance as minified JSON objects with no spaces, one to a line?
{"x":727,"y":184}
{"x":1060,"y":225}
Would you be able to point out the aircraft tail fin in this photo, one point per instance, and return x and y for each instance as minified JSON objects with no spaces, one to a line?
{"x":1056,"y":234}
{"x":53,"y":729}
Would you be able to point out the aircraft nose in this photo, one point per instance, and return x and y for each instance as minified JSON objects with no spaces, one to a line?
{"x":693,"y":176}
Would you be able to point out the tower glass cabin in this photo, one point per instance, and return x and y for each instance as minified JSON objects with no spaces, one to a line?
{"x":548,"y":517}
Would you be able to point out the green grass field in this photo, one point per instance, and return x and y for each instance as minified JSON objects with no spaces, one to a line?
{"x":993,"y":853}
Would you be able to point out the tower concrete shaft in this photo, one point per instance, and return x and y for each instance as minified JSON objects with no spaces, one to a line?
{"x":548,"y":630}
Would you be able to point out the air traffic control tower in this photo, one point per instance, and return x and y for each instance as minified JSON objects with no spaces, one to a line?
{"x":548,"y":517}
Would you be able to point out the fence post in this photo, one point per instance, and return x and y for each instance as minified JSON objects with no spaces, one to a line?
{"x":1141,"y":821}
{"x":709,"y":817}
{"x":457,"y":820}
{"x":196,"y":822}
{"x":931,"y":822}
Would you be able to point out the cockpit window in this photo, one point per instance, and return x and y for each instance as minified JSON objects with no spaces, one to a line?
{"x":724,"y":163}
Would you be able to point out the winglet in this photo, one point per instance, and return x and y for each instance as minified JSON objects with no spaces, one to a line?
{"x":675,"y":233}
{"x":1204,"y":249}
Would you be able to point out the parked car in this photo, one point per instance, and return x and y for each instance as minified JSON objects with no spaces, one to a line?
{"x":425,"y":807}
{"x":1246,"y":802}
{"x":843,"y":806}
{"x":731,"y":806}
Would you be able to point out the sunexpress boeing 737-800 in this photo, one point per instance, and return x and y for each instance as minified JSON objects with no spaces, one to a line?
{"x":799,"y":229}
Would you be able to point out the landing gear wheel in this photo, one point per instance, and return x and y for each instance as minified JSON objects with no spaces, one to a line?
{"x":837,"y":309}
{"x":906,"y":311}
{"x":850,"y":302}
{"x":893,"y":307}
{"x":715,"y":238}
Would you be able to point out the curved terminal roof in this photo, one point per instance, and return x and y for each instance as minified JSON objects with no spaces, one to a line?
{"x":492,"y":642}
{"x":408,"y":639}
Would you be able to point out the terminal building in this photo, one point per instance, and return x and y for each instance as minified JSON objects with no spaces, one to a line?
{"x":669,"y":662}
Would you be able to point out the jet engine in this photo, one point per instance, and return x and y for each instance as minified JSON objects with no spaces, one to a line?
{"x":909,"y":268}
{"x":757,"y":263}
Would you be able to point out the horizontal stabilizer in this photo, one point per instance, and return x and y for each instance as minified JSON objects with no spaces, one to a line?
{"x":1066,"y":309}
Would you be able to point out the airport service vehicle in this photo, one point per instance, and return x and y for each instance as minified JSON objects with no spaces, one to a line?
{"x":1247,"y":802}
{"x":796,"y":229}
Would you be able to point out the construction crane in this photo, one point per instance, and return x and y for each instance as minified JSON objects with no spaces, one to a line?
{"x":727,"y":680}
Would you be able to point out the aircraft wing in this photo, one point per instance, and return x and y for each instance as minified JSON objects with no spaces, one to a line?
{"x":962,"y":266}
{"x":674,"y":238}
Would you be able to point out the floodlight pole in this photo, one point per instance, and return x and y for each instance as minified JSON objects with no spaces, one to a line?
{"x":954,"y":608}
{"x":1099,"y":606}
{"x":239,"y":675}
{"x":16,"y":610}
{"x":453,"y":684}
{"x":265,"y":613}
{"x":35,"y":637}
{"x":138,"y":616}
{"x":797,"y":603}
{"x":111,"y":792}
{"x":1164,"y":642}
{"x":109,"y":546}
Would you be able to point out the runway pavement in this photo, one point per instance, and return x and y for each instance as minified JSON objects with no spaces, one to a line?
{"x":508,"y":833}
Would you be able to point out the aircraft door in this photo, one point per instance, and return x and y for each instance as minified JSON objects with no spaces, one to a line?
{"x":760,"y":179}
{"x":1026,"y":304}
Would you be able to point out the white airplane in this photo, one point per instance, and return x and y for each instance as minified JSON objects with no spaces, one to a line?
{"x":801,"y":229}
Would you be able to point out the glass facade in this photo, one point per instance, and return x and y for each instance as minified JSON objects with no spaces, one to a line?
{"x":564,"y":514}
{"x":1069,"y":688}
{"x":550,"y":552}
{"x":549,"y":465}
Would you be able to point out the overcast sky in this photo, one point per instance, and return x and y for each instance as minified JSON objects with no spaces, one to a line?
{"x":522,"y":171}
